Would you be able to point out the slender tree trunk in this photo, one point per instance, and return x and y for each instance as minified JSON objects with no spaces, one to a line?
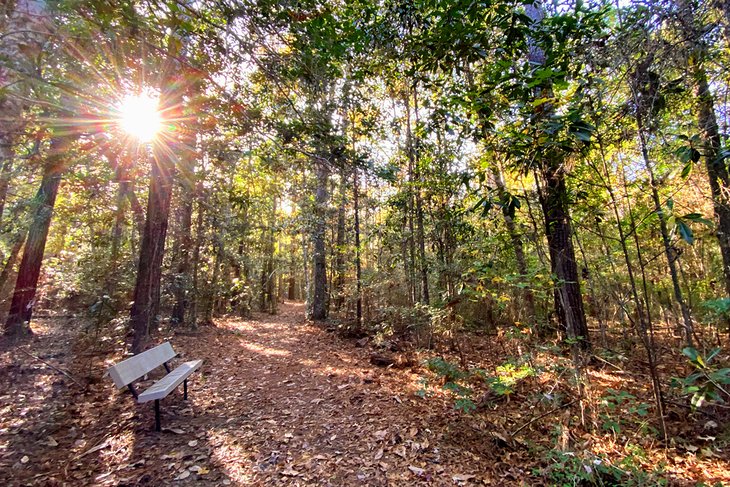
{"x":319,"y":264}
{"x":196,"y":261}
{"x":358,"y":264}
{"x":418,"y":179}
{"x":517,"y":246}
{"x":213,"y":285}
{"x":182,"y":277}
{"x":339,"y":284}
{"x":10,"y":262}
{"x":21,"y":307}
{"x":5,"y":174}
{"x":643,"y":325}
{"x":185,"y":240}
{"x":664,"y":229}
{"x":307,"y":277}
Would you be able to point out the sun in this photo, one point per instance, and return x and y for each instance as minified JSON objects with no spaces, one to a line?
{"x":139,"y":116}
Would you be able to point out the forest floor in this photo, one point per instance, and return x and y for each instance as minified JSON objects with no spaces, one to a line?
{"x":281,"y":401}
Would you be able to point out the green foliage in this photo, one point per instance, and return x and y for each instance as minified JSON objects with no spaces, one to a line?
{"x":619,"y":409}
{"x":567,"y":469}
{"x":459,"y":382}
{"x":708,"y":382}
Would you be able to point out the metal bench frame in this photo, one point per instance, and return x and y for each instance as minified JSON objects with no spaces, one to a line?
{"x":127,"y":371}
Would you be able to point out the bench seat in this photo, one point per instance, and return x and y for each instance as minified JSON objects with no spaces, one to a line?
{"x":127,"y":371}
{"x":167,"y":384}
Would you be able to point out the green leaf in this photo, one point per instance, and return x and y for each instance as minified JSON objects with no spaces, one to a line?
{"x":685,"y":232}
{"x":693,"y":355}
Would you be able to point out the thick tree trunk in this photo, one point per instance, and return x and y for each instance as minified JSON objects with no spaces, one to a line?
{"x":554,"y":201}
{"x":564,"y":267}
{"x":21,"y":307}
{"x":319,"y":264}
{"x":147,"y":286}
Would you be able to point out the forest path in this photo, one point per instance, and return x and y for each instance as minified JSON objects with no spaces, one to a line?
{"x":278,"y":401}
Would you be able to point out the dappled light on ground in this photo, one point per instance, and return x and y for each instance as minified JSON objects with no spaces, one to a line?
{"x":280,"y":401}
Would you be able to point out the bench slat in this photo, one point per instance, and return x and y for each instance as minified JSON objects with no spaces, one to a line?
{"x":131,"y":369}
{"x":167,"y":384}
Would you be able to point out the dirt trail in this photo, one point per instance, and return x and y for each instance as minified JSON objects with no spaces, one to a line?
{"x":278,"y":402}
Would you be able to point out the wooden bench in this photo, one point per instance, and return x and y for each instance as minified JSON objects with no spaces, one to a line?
{"x":127,"y":371}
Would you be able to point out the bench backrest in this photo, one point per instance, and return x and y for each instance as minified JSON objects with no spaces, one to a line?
{"x":131,"y":369}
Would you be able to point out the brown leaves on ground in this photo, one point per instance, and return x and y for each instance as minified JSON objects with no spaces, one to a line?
{"x":278,"y":401}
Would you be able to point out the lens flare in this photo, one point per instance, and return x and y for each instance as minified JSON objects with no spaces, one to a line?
{"x":139,"y":116}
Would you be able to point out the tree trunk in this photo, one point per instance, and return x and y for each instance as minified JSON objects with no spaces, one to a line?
{"x":568,"y":298}
{"x":517,"y":245}
{"x":21,"y":307}
{"x":554,"y":200}
{"x":339,"y":284}
{"x":10,"y":265}
{"x":319,"y":264}
{"x":185,"y":239}
{"x":358,"y":264}
{"x":418,"y":179}
{"x":196,"y":261}
{"x":147,"y":286}
{"x":716,"y":167}
{"x":5,"y":173}
{"x":669,"y":251}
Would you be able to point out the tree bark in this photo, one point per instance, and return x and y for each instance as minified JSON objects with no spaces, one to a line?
{"x":717,"y":171}
{"x":358,"y":263}
{"x":21,"y":307}
{"x":554,"y":200}
{"x":146,"y":289}
{"x":339,"y":282}
{"x":7,"y":167}
{"x":319,"y":264}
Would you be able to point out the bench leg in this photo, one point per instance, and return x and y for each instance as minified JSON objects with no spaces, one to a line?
{"x":185,"y":390}
{"x":157,"y":415}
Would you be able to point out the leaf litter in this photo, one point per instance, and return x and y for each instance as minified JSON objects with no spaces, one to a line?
{"x":278,"y":401}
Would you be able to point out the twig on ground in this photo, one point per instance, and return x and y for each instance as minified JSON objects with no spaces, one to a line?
{"x":51,"y":366}
{"x":542,"y":416}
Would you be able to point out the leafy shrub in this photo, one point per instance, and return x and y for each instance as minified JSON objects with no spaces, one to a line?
{"x":707,"y":381}
{"x":455,"y":380}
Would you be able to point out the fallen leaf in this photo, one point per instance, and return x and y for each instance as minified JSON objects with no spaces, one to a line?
{"x":183,"y":475}
{"x":400,"y":450}
{"x":25,"y":459}
{"x":416,"y":470}
{"x":177,"y":431}
{"x":460,"y":477}
{"x":378,"y":455}
{"x":290,"y":472}
{"x":380,"y":435}
{"x":193,"y":443}
{"x":98,"y":447}
{"x":51,"y":441}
